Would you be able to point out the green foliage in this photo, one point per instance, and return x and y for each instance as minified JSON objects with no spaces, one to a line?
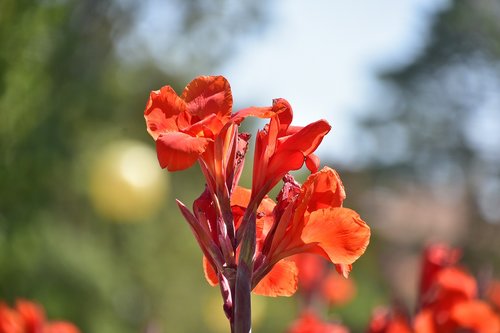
{"x":64,"y":93}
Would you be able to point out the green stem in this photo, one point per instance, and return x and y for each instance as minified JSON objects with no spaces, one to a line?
{"x":243,"y":289}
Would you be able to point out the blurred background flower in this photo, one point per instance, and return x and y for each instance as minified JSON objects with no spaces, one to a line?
{"x":410,"y":87}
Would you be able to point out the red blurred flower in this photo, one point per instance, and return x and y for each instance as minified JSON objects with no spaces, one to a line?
{"x":316,"y":280}
{"x":454,"y":305}
{"x":337,"y":290}
{"x":308,"y":322}
{"x":29,"y":317}
{"x":493,"y":293}
{"x":448,"y":301}
{"x":435,"y":258}
{"x":389,"y":321}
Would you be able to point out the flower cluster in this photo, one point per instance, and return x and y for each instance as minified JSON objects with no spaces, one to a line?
{"x":448,"y":301}
{"x":28,"y":317}
{"x":246,"y":237}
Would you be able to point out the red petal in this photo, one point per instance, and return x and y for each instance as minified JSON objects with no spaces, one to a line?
{"x":307,"y":139}
{"x":283,"y":162}
{"x":285,"y":114}
{"x":339,"y":232}
{"x":280,"y":281}
{"x":162,"y":111}
{"x":312,"y":163}
{"x":179,"y":151}
{"x":207,"y":95}
{"x":260,"y":112}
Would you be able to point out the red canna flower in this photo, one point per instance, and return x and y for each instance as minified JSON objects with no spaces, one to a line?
{"x":184,"y":126}
{"x":310,"y":221}
{"x":245,"y":237}
{"x":308,"y":322}
{"x":314,"y":221}
{"x":318,"y":282}
{"x":29,"y":317}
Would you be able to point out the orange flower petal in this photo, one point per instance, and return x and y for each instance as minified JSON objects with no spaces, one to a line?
{"x":162,"y":110}
{"x":207,"y":95}
{"x":210,"y":273}
{"x":280,"y":281}
{"x":240,"y":197}
{"x":179,"y":151}
{"x":325,"y":188}
{"x":339,"y":232}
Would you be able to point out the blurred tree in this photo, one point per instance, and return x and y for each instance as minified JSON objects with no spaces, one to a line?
{"x":66,"y":88}
{"x":436,"y":132}
{"x":440,"y":122}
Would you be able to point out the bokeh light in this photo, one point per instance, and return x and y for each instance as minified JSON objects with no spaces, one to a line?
{"x":126,"y":183}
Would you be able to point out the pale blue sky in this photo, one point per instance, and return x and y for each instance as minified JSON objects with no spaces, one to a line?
{"x":322,"y":56}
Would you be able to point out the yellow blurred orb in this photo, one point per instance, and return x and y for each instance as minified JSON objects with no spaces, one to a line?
{"x":126,"y":182}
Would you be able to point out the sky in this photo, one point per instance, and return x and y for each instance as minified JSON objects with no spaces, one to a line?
{"x":323,"y":56}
